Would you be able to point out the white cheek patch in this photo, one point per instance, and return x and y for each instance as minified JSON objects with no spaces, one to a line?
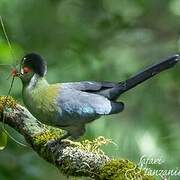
{"x":33,"y":82}
{"x":22,"y":71}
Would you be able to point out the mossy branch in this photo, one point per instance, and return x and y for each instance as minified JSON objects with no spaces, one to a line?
{"x":71,"y":158}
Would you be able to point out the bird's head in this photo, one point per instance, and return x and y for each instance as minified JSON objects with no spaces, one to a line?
{"x":32,"y":64}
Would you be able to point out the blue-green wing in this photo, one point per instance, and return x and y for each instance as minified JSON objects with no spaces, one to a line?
{"x":84,"y":106}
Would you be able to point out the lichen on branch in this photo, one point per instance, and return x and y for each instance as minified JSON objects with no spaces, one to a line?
{"x":7,"y":101}
{"x":84,"y":158}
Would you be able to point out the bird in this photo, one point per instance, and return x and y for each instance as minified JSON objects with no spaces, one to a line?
{"x":71,"y":105}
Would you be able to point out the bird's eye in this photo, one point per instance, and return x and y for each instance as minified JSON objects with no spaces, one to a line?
{"x":26,"y":70}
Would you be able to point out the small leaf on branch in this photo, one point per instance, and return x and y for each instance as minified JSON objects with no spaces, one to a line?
{"x":3,"y":140}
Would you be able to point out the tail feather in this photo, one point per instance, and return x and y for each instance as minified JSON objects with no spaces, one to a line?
{"x":116,"y":107}
{"x":148,"y":73}
{"x":120,"y":88}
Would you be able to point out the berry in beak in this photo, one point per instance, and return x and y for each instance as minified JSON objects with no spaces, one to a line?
{"x":14,"y":72}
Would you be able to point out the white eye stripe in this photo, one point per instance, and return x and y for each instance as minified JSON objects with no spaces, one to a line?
{"x":23,"y":59}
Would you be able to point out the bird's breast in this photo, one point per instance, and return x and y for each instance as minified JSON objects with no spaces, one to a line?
{"x":41,"y":102}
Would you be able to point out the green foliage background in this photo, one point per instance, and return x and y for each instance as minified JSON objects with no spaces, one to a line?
{"x":99,"y":40}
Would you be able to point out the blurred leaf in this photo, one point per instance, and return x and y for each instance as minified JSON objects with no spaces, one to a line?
{"x":5,"y":53}
{"x":175,"y":7}
{"x":3,"y":140}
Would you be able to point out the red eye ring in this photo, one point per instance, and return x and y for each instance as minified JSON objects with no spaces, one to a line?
{"x":26,"y":70}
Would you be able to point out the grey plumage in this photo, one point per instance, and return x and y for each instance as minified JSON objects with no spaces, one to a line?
{"x":82,"y":102}
{"x":109,"y":90}
{"x":87,"y":95}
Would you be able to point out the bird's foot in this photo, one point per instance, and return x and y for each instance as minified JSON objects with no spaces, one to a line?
{"x":68,"y":138}
{"x":69,"y":141}
{"x":65,"y":136}
{"x":54,"y":142}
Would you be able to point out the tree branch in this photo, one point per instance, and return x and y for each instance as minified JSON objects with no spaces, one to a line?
{"x":71,"y":158}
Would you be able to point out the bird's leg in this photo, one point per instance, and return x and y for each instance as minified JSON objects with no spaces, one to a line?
{"x":74,"y":132}
{"x":65,"y":136}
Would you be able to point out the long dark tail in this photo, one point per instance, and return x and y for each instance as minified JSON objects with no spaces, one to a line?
{"x":147,"y":73}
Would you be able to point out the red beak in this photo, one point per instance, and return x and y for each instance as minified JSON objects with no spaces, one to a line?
{"x":14,"y":72}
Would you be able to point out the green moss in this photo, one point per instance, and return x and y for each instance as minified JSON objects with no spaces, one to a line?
{"x":40,"y":141}
{"x":7,"y":101}
{"x":122,"y":169}
{"x":48,"y":135}
{"x":94,"y":145}
{"x":86,"y":145}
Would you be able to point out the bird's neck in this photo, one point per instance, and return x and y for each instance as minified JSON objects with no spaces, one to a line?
{"x":36,"y":82}
{"x":34,"y":93}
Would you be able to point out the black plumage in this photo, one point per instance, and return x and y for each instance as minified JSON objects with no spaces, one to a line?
{"x":35,"y":62}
